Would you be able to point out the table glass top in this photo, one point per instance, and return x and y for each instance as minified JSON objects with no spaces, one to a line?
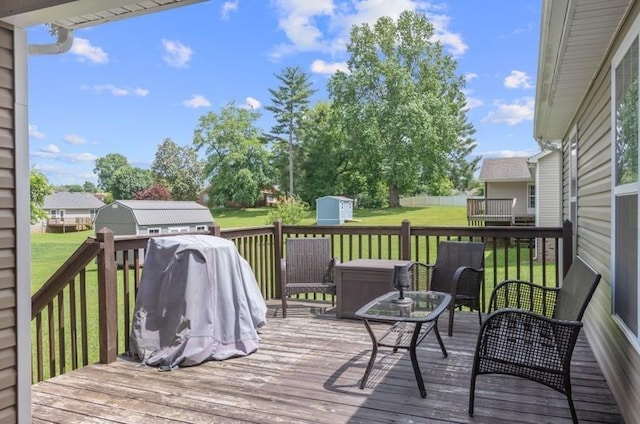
{"x":424,"y":306}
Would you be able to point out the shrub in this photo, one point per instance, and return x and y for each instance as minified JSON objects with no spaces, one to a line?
{"x":290,"y":211}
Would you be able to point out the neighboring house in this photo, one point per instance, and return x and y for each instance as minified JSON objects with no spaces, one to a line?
{"x":547,"y":169}
{"x":509,"y":193}
{"x":153,"y":217}
{"x":68,"y":211}
{"x":587,"y":98}
{"x":333,"y":210}
{"x":15,"y":17}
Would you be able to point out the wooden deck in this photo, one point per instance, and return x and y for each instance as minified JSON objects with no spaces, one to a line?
{"x":307,"y":370}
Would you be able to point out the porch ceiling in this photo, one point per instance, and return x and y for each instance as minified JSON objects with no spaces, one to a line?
{"x":574,"y":38}
{"x":81,"y":13}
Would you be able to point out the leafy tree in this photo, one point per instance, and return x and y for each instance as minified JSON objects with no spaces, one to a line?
{"x":323,"y":157}
{"x":39,"y":188}
{"x":75,"y":188}
{"x":89,"y":187}
{"x":400,"y":102}
{"x":177,"y":168}
{"x":288,"y":105}
{"x":127,"y":180}
{"x":237,"y":162}
{"x":105,"y":168}
{"x":154,"y":192}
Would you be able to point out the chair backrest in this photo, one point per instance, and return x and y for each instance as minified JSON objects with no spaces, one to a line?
{"x":577,"y":288}
{"x":307,"y":260}
{"x":451,"y":256}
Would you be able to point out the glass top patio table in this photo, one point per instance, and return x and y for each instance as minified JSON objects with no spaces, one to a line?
{"x":411,"y":322}
{"x":425,"y":306}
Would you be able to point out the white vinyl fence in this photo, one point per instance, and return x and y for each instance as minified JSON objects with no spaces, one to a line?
{"x":424,"y":200}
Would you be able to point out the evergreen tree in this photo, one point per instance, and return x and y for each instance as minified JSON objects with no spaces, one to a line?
{"x":289,"y":105}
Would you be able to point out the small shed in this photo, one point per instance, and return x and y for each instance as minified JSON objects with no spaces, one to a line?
{"x":134,"y":217}
{"x":333,"y":210}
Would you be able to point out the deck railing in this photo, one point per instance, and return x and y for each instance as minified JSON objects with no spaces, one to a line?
{"x":83,"y":313}
{"x":481,"y":210}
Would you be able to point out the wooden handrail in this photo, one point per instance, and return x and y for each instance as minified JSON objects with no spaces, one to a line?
{"x":84,"y":254}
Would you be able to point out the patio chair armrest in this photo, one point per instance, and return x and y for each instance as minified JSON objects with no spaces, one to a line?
{"x":467,"y":281}
{"x":524,"y":295}
{"x":508,"y":336}
{"x":283,"y":271}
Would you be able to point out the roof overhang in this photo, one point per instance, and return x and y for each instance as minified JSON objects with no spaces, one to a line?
{"x":575,"y":36}
{"x":74,"y":14}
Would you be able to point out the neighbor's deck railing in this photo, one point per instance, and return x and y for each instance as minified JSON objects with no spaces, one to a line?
{"x":481,"y":210}
{"x":83,"y":313}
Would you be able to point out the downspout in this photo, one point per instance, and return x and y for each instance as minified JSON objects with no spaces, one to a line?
{"x":64,"y":43}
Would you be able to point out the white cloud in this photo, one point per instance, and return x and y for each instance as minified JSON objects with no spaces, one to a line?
{"x":251,"y":103}
{"x":196,"y":101}
{"x":34,"y":132}
{"x":511,"y":113}
{"x":227,"y":8}
{"x":86,"y":52}
{"x":75,"y":139}
{"x":507,"y":153}
{"x":321,"y":67}
{"x":116,"y":91}
{"x":53,"y":152}
{"x":299,"y":19}
{"x":470,"y":76}
{"x":517,"y":79}
{"x":472,"y":102}
{"x":50,"y":148}
{"x":176,"y":54}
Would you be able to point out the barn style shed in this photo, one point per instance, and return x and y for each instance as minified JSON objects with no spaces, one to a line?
{"x":333,"y":210}
{"x":134,"y":217}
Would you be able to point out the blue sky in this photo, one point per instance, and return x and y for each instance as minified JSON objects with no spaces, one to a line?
{"x":126,"y":86}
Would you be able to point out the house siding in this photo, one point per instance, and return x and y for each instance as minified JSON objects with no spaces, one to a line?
{"x":548,"y":187}
{"x":618,"y":358}
{"x":8,"y":324}
{"x":517,"y":190}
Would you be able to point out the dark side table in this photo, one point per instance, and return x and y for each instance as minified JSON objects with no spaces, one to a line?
{"x":410,"y":324}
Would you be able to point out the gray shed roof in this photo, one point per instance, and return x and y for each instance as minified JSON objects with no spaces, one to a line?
{"x":335,"y":197}
{"x":505,"y":169}
{"x":165,"y":212}
{"x":66,"y":200}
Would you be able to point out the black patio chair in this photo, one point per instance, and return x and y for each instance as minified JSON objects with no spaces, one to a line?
{"x":458,"y":270}
{"x":532,"y":330}
{"x":308,"y":267}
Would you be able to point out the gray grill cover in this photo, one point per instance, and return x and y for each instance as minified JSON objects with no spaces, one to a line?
{"x":198,"y":300}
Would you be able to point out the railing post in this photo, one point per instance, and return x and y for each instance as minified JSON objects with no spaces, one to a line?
{"x":107,"y":297}
{"x":567,"y":246}
{"x":405,"y":241}
{"x":214,"y":230}
{"x":277,"y":253}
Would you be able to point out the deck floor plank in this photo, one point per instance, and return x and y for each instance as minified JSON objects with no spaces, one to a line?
{"x":307,"y":370}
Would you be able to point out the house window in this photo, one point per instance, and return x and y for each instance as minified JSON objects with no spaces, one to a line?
{"x":178,"y":229}
{"x":201,"y":227}
{"x":531,"y":196}
{"x":53,"y":214}
{"x":93,"y":213}
{"x":573,"y":187}
{"x":153,"y":231}
{"x":625,"y":186}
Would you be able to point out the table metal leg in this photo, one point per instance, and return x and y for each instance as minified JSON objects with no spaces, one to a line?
{"x":374,"y":352}
{"x":442,"y":348}
{"x":414,"y":359}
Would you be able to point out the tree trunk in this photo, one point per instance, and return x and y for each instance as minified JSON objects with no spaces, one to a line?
{"x":394,"y":196}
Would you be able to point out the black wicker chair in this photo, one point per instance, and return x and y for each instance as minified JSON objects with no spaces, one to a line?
{"x":532,"y":330}
{"x":458,"y":270}
{"x":307,"y":268}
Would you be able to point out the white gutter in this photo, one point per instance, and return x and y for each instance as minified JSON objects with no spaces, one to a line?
{"x":64,"y":43}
